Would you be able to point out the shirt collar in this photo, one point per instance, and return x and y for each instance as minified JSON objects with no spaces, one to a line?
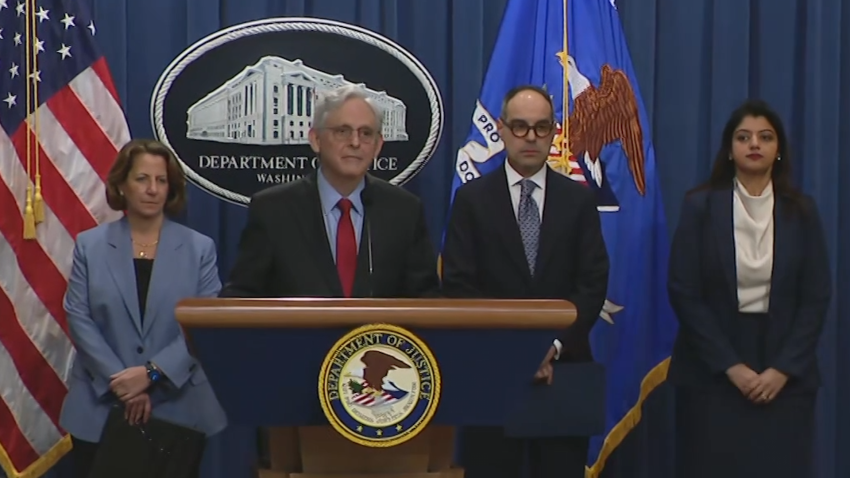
{"x":329,"y":196}
{"x":741,"y":190}
{"x":539,"y":178}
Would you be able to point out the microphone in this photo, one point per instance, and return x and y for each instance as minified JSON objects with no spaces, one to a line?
{"x":366,"y":199}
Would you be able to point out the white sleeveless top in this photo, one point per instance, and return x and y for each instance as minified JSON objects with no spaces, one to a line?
{"x":753,"y":221}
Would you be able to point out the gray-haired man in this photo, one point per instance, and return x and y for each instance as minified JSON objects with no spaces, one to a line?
{"x":338,"y":232}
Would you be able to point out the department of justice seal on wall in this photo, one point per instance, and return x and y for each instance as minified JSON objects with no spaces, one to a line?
{"x":379,"y":385}
{"x":237,"y":106}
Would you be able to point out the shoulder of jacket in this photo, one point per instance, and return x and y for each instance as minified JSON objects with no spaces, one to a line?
{"x":193,"y":236}
{"x":96,"y":234}
{"x":387,"y":191}
{"x":698,"y":199}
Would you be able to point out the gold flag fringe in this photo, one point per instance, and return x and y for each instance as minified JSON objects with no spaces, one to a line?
{"x":39,"y":467}
{"x":618,"y":433}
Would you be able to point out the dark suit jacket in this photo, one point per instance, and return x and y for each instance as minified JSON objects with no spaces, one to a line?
{"x":702,"y":284}
{"x":284,"y":250}
{"x":483,"y":255}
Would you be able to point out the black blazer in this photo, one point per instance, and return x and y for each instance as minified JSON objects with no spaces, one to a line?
{"x":702,"y":284}
{"x":284,"y":250}
{"x":483,"y":256}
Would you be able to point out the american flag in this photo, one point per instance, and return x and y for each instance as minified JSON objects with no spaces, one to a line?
{"x":367,"y":396}
{"x":370,"y":400}
{"x":52,"y":172}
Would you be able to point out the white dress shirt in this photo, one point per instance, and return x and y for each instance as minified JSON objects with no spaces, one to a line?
{"x":539,"y":195}
{"x":515,"y":188}
{"x":329,"y":197}
{"x":753,"y":220}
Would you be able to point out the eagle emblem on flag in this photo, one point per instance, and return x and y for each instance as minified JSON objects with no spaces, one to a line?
{"x":601,"y":115}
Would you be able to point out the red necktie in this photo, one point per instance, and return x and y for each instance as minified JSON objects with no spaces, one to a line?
{"x":346,"y":248}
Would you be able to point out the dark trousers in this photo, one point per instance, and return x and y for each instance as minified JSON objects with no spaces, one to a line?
{"x":83,"y":455}
{"x":486,"y":453}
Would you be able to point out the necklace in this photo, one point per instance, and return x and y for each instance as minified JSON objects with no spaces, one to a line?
{"x":142,"y":254}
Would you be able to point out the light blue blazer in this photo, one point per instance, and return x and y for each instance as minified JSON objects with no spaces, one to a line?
{"x":102,"y":306}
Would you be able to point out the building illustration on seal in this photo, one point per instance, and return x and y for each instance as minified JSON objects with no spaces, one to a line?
{"x":271,"y":103}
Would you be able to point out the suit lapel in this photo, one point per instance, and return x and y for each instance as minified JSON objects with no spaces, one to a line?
{"x":724,"y":229}
{"x":506,"y":222}
{"x":782,"y":247}
{"x":119,"y":256}
{"x":165,"y":269}
{"x":553,"y":199}
{"x":364,"y":284}
{"x":309,"y":214}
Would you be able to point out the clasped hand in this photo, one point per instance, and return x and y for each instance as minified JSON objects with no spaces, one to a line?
{"x":130,"y":386}
{"x":758,"y":388}
{"x":138,"y":409}
{"x":130,"y":383}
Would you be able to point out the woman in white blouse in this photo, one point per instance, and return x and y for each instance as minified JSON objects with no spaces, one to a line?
{"x":750,"y":284}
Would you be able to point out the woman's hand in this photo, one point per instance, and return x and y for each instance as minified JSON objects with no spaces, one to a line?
{"x":138,"y":409}
{"x":770,"y":383}
{"x":130,"y":383}
{"x":744,"y":378}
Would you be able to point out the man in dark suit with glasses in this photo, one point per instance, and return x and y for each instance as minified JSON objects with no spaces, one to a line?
{"x":525,"y":231}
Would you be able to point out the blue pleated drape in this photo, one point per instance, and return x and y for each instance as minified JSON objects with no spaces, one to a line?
{"x":695,"y":60}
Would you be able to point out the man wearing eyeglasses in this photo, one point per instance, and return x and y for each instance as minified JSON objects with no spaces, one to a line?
{"x":338,"y":232}
{"x":525,"y":231}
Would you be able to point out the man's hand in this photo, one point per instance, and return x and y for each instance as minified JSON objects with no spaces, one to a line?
{"x":130,"y":383}
{"x":744,"y":378}
{"x":138,"y":409}
{"x":544,"y":373}
{"x":770,"y":383}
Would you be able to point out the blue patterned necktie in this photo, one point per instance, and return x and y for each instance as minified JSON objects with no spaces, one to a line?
{"x":528,"y":218}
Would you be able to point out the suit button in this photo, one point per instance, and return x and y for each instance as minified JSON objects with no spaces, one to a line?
{"x":139,"y":350}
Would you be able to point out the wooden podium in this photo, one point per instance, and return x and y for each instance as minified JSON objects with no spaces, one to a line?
{"x":263,"y":358}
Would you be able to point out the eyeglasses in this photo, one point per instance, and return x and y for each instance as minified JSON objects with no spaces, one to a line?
{"x":520,"y":129}
{"x":345,"y":133}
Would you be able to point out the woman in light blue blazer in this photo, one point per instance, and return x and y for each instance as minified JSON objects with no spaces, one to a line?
{"x":126,"y":280}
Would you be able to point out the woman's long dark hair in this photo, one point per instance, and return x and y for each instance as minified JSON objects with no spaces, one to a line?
{"x":723,"y":170}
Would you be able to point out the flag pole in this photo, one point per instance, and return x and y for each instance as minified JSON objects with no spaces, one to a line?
{"x":38,"y":201}
{"x":29,"y":44}
{"x":565,"y":121}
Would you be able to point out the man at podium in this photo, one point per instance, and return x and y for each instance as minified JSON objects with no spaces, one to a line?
{"x":338,"y":232}
{"x":500,"y":244}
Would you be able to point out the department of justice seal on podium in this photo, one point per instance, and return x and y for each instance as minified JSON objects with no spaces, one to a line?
{"x":379,"y":385}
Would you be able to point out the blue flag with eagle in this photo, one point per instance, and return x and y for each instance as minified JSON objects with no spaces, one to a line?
{"x":605,"y":145}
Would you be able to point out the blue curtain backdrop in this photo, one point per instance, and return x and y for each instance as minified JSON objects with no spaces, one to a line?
{"x":695,"y":60}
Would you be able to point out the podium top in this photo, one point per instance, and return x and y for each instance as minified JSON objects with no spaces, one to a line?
{"x":330,"y":313}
